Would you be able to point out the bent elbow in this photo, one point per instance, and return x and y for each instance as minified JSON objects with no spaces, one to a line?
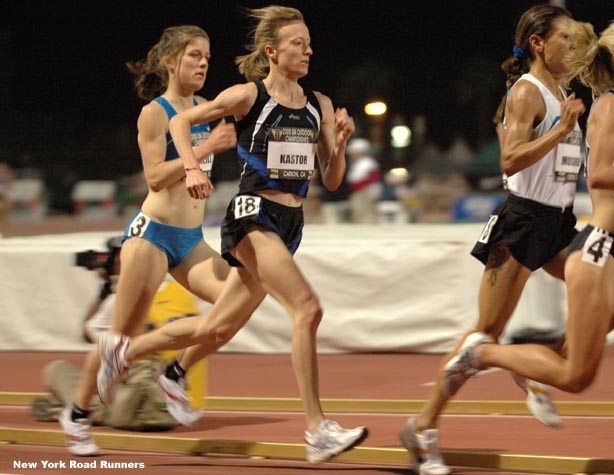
{"x":331,"y":184}
{"x":507,"y":165}
{"x":154,"y":184}
{"x":332,"y":187}
{"x":155,"y":187}
{"x":597,"y":181}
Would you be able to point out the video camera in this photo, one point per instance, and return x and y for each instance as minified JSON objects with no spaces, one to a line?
{"x":100,"y":259}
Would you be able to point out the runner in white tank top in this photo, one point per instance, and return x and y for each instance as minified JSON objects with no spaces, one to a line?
{"x":551,"y":180}
{"x":589,"y":268}
{"x":533,"y":227}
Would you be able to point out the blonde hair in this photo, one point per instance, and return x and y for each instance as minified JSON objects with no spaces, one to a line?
{"x":151,"y":75}
{"x":591,"y":61}
{"x":255,"y":64}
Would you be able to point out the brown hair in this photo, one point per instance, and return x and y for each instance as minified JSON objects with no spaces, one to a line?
{"x":255,"y":64}
{"x":592,"y":62}
{"x":537,"y":20}
{"x":151,"y":75}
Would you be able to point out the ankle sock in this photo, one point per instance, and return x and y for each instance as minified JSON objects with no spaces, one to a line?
{"x":175,"y":372}
{"x":78,"y":413}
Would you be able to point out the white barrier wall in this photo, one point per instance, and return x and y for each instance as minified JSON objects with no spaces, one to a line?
{"x":384,"y":288}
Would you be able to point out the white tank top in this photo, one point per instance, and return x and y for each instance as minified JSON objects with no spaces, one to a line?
{"x":551,"y":180}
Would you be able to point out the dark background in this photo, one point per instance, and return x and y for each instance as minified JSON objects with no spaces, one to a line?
{"x":68,"y":106}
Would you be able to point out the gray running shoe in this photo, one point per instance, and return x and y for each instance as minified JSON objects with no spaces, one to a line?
{"x":463,"y":363}
{"x":113,"y":366}
{"x":424,"y":455}
{"x":330,"y":439}
{"x":539,"y":401}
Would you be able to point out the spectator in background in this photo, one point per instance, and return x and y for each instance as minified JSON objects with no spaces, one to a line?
{"x":6,"y":182}
{"x":365,"y":181}
{"x":334,"y":205}
{"x":26,"y":167}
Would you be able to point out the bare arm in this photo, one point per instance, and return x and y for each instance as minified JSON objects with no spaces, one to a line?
{"x":525,"y":106}
{"x":151,"y":125}
{"x":601,"y":139}
{"x":236,"y":101}
{"x":335,"y":130}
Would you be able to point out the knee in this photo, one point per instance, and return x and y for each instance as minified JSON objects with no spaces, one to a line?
{"x":576,"y":383}
{"x":221,"y":335}
{"x":310,"y":314}
{"x":218,"y":333}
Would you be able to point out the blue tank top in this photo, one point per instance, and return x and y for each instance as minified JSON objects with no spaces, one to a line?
{"x":199,"y":134}
{"x":278,"y":145}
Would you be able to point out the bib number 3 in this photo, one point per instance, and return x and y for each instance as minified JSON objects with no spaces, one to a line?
{"x":246,"y":205}
{"x":139,"y":225}
{"x":597,"y":247}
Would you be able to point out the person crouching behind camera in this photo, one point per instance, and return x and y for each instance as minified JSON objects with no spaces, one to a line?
{"x":140,"y":403}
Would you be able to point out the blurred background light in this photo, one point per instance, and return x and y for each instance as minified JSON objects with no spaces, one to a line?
{"x":400,"y":136}
{"x":376,"y":108}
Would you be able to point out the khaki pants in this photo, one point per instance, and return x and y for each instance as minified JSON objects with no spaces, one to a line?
{"x":139,"y":404}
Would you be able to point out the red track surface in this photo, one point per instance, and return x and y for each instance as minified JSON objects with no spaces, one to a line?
{"x":357,"y":376}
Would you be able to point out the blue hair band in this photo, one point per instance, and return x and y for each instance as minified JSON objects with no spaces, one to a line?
{"x":519,"y":53}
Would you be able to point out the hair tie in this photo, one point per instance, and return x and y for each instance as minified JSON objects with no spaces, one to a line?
{"x":519,"y":53}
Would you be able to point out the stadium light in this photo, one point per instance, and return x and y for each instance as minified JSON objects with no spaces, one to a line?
{"x":376,"y":108}
{"x":400,"y":136}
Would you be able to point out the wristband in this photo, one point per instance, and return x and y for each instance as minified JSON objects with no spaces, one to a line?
{"x":193,"y":168}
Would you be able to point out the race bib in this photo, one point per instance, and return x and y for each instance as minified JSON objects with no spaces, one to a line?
{"x":207,"y":164}
{"x":291,"y":153}
{"x":568,"y":158}
{"x":139,"y":225}
{"x":246,"y":205}
{"x":485,"y":235}
{"x":597,"y":247}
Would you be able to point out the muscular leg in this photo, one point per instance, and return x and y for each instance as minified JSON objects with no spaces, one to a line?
{"x":591,"y":307}
{"x":136,"y":288}
{"x":203,"y":272}
{"x":502,"y":283}
{"x":267,"y":261}
{"x":267,"y":258}
{"x":239,"y":298}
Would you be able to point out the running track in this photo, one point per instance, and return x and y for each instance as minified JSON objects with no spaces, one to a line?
{"x":355,"y":376}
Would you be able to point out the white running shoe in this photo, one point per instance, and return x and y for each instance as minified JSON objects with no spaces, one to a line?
{"x":539,"y":401}
{"x":178,"y":402}
{"x":78,"y":436}
{"x":111,"y":351}
{"x":424,"y":455}
{"x":463,"y":363}
{"x":330,"y":439}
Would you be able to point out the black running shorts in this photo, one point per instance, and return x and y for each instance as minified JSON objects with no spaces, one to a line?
{"x":246,"y":211}
{"x":533,"y":232}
